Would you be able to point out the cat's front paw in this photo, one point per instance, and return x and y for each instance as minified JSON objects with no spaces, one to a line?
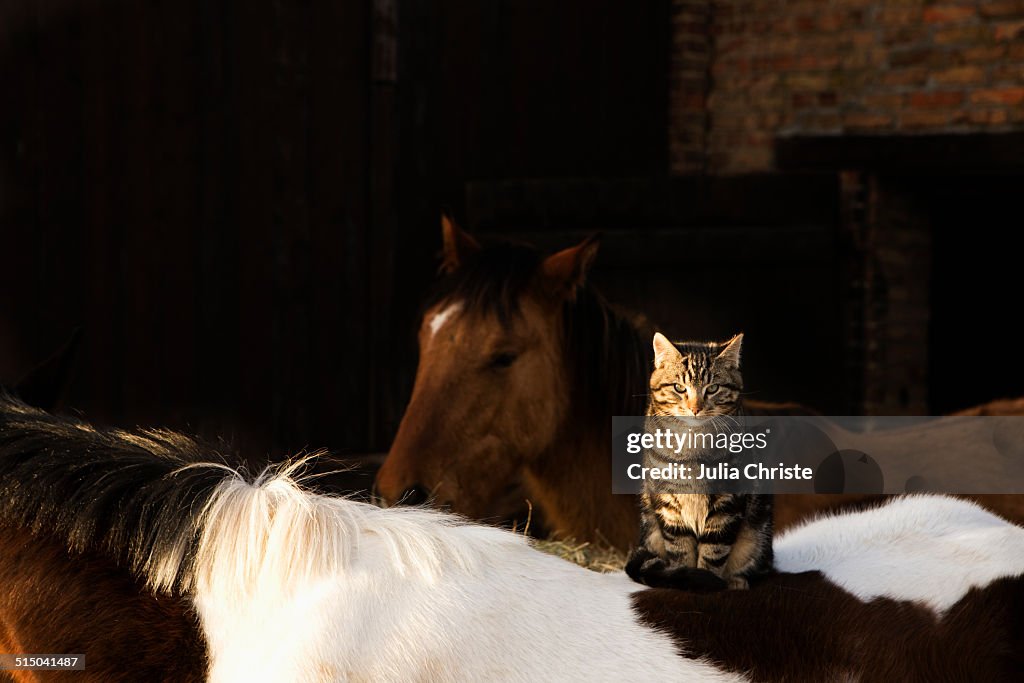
{"x":642,"y":563}
{"x":657,"y":574}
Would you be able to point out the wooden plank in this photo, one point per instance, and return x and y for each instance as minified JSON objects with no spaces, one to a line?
{"x":893,"y":153}
{"x":382,"y":233}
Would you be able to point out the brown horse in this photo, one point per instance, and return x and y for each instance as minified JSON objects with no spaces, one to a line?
{"x":998,"y":408}
{"x":522,"y":364}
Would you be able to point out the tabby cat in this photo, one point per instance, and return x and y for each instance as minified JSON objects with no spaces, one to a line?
{"x":699,"y":541}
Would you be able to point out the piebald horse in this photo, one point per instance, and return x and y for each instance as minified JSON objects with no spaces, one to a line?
{"x":522,"y":365}
{"x":91,"y":603}
{"x":291,"y":585}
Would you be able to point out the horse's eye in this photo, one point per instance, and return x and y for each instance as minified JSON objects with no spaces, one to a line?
{"x":503,"y":360}
{"x":711,"y":388}
{"x":679,"y":388}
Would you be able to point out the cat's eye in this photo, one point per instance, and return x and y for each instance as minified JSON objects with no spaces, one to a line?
{"x":679,"y":388}
{"x":503,"y":359}
{"x":711,"y":388}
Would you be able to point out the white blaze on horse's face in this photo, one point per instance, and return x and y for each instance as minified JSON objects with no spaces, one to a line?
{"x":438,"y":320}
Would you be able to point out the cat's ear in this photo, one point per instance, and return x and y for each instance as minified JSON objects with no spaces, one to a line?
{"x":664,"y":350}
{"x":731,"y":351}
{"x":568,"y":268}
{"x":458,"y":245}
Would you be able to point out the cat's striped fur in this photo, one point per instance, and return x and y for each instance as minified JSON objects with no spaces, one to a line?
{"x":699,"y":541}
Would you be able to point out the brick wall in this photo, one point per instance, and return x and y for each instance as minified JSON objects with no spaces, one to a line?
{"x":689,"y":78}
{"x":845,"y":66}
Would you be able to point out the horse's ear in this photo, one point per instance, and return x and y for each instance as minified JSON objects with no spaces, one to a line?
{"x":568,"y":268}
{"x":731,"y":351}
{"x":458,"y":245}
{"x":664,"y":350}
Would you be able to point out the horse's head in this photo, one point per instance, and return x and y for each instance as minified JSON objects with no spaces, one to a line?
{"x":491,"y":389}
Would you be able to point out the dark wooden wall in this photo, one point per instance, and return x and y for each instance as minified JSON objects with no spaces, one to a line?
{"x":187,"y":181}
{"x":534,"y":89}
{"x":239,"y":202}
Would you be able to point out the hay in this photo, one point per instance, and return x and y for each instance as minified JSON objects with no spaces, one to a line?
{"x":599,"y":557}
{"x":594,"y":556}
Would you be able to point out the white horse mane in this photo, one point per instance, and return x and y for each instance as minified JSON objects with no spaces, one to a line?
{"x":273,"y":532}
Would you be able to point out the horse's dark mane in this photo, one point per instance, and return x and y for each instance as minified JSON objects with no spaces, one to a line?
{"x":491,"y":281}
{"x":123,"y":493}
{"x":607,"y":359}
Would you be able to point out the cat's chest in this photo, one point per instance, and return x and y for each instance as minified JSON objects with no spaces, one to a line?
{"x":690,"y":510}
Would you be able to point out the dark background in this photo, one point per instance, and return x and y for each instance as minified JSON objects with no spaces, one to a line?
{"x":238,"y":204}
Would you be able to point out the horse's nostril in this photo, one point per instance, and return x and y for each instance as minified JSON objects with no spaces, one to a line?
{"x":414,"y":495}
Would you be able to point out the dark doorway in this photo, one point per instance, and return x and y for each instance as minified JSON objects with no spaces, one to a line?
{"x":975,"y":290}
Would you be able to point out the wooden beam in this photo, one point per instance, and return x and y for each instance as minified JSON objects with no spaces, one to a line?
{"x":919,"y":153}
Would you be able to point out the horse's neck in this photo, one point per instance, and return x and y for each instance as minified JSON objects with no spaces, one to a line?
{"x":572,"y":485}
{"x":572,"y":481}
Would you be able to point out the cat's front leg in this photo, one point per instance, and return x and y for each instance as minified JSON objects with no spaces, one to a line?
{"x":649,"y":557}
{"x":713,"y":557}
{"x":667,"y":560}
